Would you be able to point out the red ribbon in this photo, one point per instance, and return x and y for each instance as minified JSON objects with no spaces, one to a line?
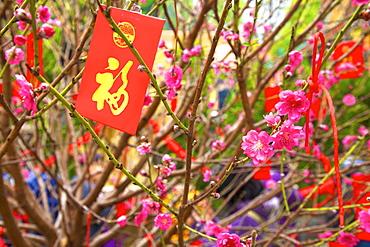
{"x":314,"y":88}
{"x":336,"y":154}
{"x":313,"y":79}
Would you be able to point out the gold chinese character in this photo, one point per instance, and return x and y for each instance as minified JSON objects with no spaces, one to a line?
{"x":106,"y":81}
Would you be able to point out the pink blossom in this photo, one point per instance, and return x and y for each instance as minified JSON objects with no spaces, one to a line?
{"x":122,"y":221}
{"x":19,"y":40}
{"x":347,"y":239}
{"x":210,"y":104}
{"x":44,"y":13}
{"x":271,"y":119}
{"x":26,"y":93}
{"x":363,"y":131}
{"x":364,"y":218}
{"x":207,"y":173}
{"x":186,"y":55}
{"x":267,"y":27}
{"x":256,"y":146}
{"x":22,"y":25}
{"x":359,"y":2}
{"x":326,"y":234}
{"x":212,"y":228}
{"x":168,"y":53}
{"x":143,"y":148}
{"x":172,"y":166}
{"x":164,"y":171}
{"x":160,"y":185}
{"x":147,"y":100}
{"x":218,"y":145}
{"x":163,"y":221}
{"x":324,"y":127}
{"x":161,"y":44}
{"x":150,"y":206}
{"x":228,"y":240}
{"x":55,"y":22}
{"x":319,"y":25}
{"x":345,"y":67}
{"x":173,"y":78}
{"x":140,"y":217}
{"x":317,"y":151}
{"x":349,"y":99}
{"x":15,"y":55}
{"x":287,"y":136}
{"x":270,"y":184}
{"x":46,"y":31}
{"x":21,"y":15}
{"x":295,"y":58}
{"x":289,"y":68}
{"x":227,"y":127}
{"x":293,"y":103}
{"x":19,"y":2}
{"x":328,"y":78}
{"x":368,"y":144}
{"x":196,"y":50}
{"x":166,"y":158}
{"x":216,"y":67}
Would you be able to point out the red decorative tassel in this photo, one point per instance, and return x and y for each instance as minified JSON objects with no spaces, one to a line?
{"x":312,"y":80}
{"x":336,"y":154}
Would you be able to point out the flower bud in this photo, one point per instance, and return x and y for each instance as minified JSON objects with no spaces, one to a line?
{"x":21,"y":15}
{"x":46,"y":31}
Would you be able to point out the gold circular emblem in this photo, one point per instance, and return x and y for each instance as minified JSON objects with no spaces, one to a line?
{"x":128,"y":30}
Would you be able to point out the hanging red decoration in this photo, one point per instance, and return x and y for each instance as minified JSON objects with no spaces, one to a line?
{"x":112,"y":89}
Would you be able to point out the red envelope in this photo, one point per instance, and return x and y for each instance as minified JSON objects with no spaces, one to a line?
{"x":356,"y":58}
{"x":272,"y":97}
{"x":112,"y":89}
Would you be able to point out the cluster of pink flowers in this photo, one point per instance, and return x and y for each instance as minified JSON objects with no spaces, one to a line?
{"x":148,"y":207}
{"x":247,"y":28}
{"x":364,"y":218}
{"x":161,"y":186}
{"x":287,"y":136}
{"x":167,"y":167}
{"x":173,"y":78}
{"x":347,"y":239}
{"x":218,"y":145}
{"x":260,"y":145}
{"x":163,"y":221}
{"x":293,"y":103}
{"x":187,"y":54}
{"x":359,"y":2}
{"x":143,"y":148}
{"x":26,"y":93}
{"x":229,"y":35}
{"x":295,"y":58}
{"x":227,"y":239}
{"x":328,"y":78}
{"x":14,"y":55}
{"x":211,"y":228}
{"x":257,"y":146}
{"x":221,"y":66}
{"x":207,"y":173}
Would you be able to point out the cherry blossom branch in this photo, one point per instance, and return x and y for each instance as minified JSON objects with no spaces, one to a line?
{"x":193,"y":115}
{"x":74,"y":113}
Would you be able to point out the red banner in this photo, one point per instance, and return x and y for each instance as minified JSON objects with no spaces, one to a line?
{"x":351,"y":66}
{"x":112,"y":89}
